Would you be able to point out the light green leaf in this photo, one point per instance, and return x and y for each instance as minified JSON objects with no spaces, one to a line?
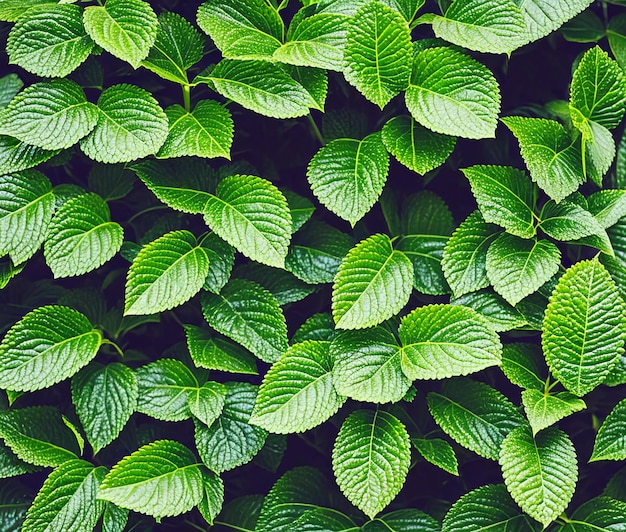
{"x":373,"y":283}
{"x":207,"y":131}
{"x":440,"y":341}
{"x":599,"y":513}
{"x":231,"y":441}
{"x":114,"y":518}
{"x":607,"y":206}
{"x":451,"y":93}
{"x":568,"y":221}
{"x":12,"y":10}
{"x":437,"y":452}
{"x":474,"y":414}
{"x":16,"y":155}
{"x":297,"y":392}
{"x":416,"y":147}
{"x":552,"y":157}
{"x":616,"y":33}
{"x":10,"y":85}
{"x":505,"y":197}
{"x":67,"y":499}
{"x":51,"y":41}
{"x":26,"y":208}
{"x":125,"y":28}
{"x":501,"y":315}
{"x":610,"y":441}
{"x":177,"y":47}
{"x":207,"y":402}
{"x":250,"y":315}
{"x":314,"y":81}
{"x":545,"y":16}
{"x":50,"y":114}
{"x":242,"y":29}
{"x":367,"y":366}
{"x":38,"y":435}
{"x":371,"y":459}
{"x":48,"y":345}
{"x":540,"y":472}
{"x":165,"y":389}
{"x":131,"y":125}
{"x":159,"y":479}
{"x":252,"y":215}
{"x":545,"y":409}
{"x":584,"y":330}
{"x":599,"y":147}
{"x":517,"y":268}
{"x":104,"y":397}
{"x":524,"y":366}
{"x":211,"y":504}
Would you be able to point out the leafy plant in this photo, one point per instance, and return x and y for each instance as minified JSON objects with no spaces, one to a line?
{"x":313,"y":265}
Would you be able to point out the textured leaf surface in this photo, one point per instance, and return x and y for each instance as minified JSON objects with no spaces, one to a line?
{"x":610,"y":441}
{"x":425,"y":252}
{"x":568,"y":221}
{"x":371,"y":459}
{"x":16,"y":155}
{"x":211,"y":504}
{"x":544,"y":410}
{"x":373,"y":283}
{"x":607,"y":206}
{"x":600,"y":513}
{"x":348,"y":175}
{"x":541,"y":472}
{"x":10,"y":85}
{"x":616,"y":34}
{"x":545,"y":16}
{"x":524,"y":366}
{"x":207,"y":402}
{"x":438,"y":452}
{"x":406,"y":520}
{"x":159,"y":479}
{"x":584,"y":331}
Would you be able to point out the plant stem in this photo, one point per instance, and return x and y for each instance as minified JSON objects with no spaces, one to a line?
{"x":115,"y":346}
{"x":187,"y":97}
{"x":316,"y":131}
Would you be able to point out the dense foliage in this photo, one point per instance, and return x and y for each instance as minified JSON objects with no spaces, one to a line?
{"x":330,"y":265}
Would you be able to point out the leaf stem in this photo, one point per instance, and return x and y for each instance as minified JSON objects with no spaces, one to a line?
{"x":316,"y":131}
{"x":234,"y":527}
{"x":149,"y":209}
{"x":187,"y":97}
{"x":106,"y":341}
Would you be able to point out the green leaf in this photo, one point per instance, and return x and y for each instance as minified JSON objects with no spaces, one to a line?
{"x":15,"y":500}
{"x":125,"y":28}
{"x":486,"y":508}
{"x":46,"y":346}
{"x":552,"y":157}
{"x":425,"y":253}
{"x":250,"y":315}
{"x":231,"y":441}
{"x":406,"y":520}
{"x":301,"y":209}
{"x":451,"y":93}
{"x":284,"y":286}
{"x":111,"y":182}
{"x":314,"y":81}
{"x":416,"y":147}
{"x":16,"y":155}
{"x":38,"y":435}
{"x":348,"y":175}
{"x":104,"y":397}
{"x":610,"y":441}
{"x":242,"y":29}
{"x":425,"y":213}
{"x":545,"y":16}
{"x":114,"y":518}
{"x":599,"y":513}
{"x":221,"y":259}
{"x":166,"y":273}
{"x":505,"y":197}
{"x":377,"y":53}
{"x":297,"y":392}
{"x":211,"y":504}
{"x":218,"y":354}
{"x":464,"y":260}
{"x":524,"y":366}
{"x":165,"y":388}
{"x":501,"y":315}
{"x":545,"y":409}
{"x":475,"y":415}
{"x":584,"y":28}
{"x":81,"y":237}
{"x":67,"y":499}
{"x":207,"y":131}
{"x":177,"y":47}
{"x":517,"y":268}
{"x":207,"y":402}
{"x":616,"y":33}
{"x":12,"y":466}
{"x":159,"y":479}
{"x":540,"y":472}
{"x":252,"y":215}
{"x":373,"y":283}
{"x":318,"y":326}
{"x":607,"y":206}
{"x":262,"y":87}
{"x":584,"y":330}
{"x":568,"y":221}
{"x":440,"y":341}
{"x":371,"y":459}
{"x":437,"y":452}
{"x":131,"y":125}
{"x":51,"y":41}
{"x":50,"y":114}
{"x":10,"y":85}
{"x":26,"y":208}
{"x":367,"y":366}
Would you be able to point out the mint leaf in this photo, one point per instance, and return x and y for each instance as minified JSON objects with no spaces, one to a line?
{"x":207,"y":402}
{"x":437,"y":452}
{"x":544,"y":409}
{"x":568,"y":221}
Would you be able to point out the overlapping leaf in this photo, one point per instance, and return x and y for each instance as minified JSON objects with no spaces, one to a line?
{"x":545,"y":409}
{"x":523,"y":365}
{"x":599,"y":513}
{"x":610,"y":441}
{"x":545,"y":16}
{"x":438,"y":452}
{"x":16,"y":155}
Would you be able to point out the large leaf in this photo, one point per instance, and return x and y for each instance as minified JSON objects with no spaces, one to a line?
{"x":51,"y":41}
{"x":451,"y":93}
{"x":584,"y":329}
{"x":373,"y":283}
{"x":50,"y":114}
{"x":348,"y":175}
{"x":440,"y":341}
{"x":545,"y":409}
{"x":252,"y":215}
{"x":599,"y":513}
{"x":297,"y":392}
{"x":545,"y":16}
{"x":104,"y":397}
{"x":371,"y":459}
{"x":67,"y":499}
{"x":166,"y":273}
{"x":475,"y":415}
{"x":125,"y":28}
{"x":16,"y":155}
{"x":250,"y":315}
{"x":610,"y":441}
{"x":159,"y":479}
{"x":540,"y":472}
{"x":46,"y":346}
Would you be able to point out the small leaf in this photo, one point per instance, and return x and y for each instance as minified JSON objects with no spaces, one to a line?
{"x":437,"y":452}
{"x":284,"y":286}
{"x":568,"y":221}
{"x":425,"y":253}
{"x":501,"y":315}
{"x":599,"y":513}
{"x":406,"y":520}
{"x":540,"y":472}
{"x":159,"y":479}
{"x":300,"y":208}
{"x":207,"y":402}
{"x":211,"y":504}
{"x":15,"y":499}
{"x":114,"y":518}
{"x":610,"y":441}
{"x":371,"y":459}
{"x":221,"y":260}
{"x":584,"y":28}
{"x":524,"y":366}
{"x":111,"y":182}
{"x":544,"y":410}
